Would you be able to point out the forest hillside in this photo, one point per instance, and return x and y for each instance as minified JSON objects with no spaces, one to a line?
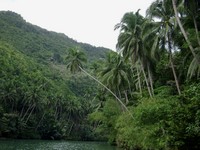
{"x":39,"y":97}
{"x":145,"y":96}
{"x":38,"y":42}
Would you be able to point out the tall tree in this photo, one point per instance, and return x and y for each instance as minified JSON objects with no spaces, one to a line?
{"x":116,"y":76}
{"x":195,"y":55}
{"x":75,"y":61}
{"x":193,"y":9}
{"x":130,"y":43}
{"x":161,"y":9}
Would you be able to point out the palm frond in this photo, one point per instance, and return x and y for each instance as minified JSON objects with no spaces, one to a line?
{"x":194,"y":68}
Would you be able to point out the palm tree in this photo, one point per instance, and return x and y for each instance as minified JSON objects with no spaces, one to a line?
{"x":192,"y":12}
{"x":130,"y":43}
{"x":194,"y":69}
{"x":195,"y":55}
{"x":75,"y":59}
{"x":161,"y":9}
{"x":115,"y":75}
{"x":192,"y":7}
{"x":150,"y":48}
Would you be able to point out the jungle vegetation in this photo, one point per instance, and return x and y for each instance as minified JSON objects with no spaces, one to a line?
{"x":144,"y":96}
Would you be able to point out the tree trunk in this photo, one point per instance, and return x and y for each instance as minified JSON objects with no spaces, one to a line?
{"x":184,"y":32}
{"x":147,"y":83}
{"x":22,"y":111}
{"x":56,"y":110}
{"x":26,"y":112}
{"x":126,"y":96}
{"x":40,"y":121}
{"x":71,"y":127}
{"x":150,"y":81}
{"x":172,"y":64}
{"x":119,"y":93}
{"x":139,"y":81}
{"x":120,"y":97}
{"x":196,"y":30}
{"x":175,"y":76}
{"x":107,"y":90}
{"x":30,"y":114}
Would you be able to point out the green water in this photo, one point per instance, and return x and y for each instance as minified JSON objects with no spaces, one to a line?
{"x":53,"y":145}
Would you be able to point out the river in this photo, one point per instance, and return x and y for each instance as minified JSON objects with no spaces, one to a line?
{"x":53,"y":145}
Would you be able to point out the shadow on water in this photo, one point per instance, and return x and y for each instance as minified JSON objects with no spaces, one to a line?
{"x":53,"y":145}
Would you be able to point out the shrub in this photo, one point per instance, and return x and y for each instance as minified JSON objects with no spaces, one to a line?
{"x":149,"y":128}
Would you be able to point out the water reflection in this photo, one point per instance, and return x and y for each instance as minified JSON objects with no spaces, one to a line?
{"x":53,"y":145}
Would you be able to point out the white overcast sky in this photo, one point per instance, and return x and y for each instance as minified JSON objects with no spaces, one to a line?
{"x":87,"y":21}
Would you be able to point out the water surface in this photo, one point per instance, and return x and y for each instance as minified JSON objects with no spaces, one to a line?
{"x":53,"y":145}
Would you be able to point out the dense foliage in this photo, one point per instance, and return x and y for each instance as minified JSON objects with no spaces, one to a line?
{"x":36,"y":103}
{"x":39,"y":98}
{"x":156,"y":73}
{"x":144,"y":96}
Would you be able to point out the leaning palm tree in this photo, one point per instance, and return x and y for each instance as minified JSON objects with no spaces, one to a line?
{"x":161,"y":9}
{"x":193,"y":8}
{"x":75,"y":59}
{"x":195,"y":55}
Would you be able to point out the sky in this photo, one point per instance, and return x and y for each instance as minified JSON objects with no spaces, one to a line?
{"x":86,"y":21}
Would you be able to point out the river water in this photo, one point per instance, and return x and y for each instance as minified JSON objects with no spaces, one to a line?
{"x":53,"y":145}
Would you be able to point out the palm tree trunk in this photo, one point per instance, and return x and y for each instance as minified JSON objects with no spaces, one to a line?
{"x":172,"y":64}
{"x":56,"y":110}
{"x":184,"y":32}
{"x":175,"y":76}
{"x":119,"y":93}
{"x":70,"y":129}
{"x":120,"y":97}
{"x":139,"y":81}
{"x":147,"y":83}
{"x":30,"y":114}
{"x":107,"y":90}
{"x":150,"y":80}
{"x":22,"y":110}
{"x":29,"y":108}
{"x":40,"y":121}
{"x":196,"y":30}
{"x":126,"y":96}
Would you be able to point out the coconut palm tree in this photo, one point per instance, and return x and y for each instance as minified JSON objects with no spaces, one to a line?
{"x":150,"y":48}
{"x":115,"y":75}
{"x":75,"y":61}
{"x":193,"y":9}
{"x":161,"y":9}
{"x":130,"y":42}
{"x":195,"y":55}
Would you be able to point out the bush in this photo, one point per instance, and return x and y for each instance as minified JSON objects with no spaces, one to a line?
{"x":104,"y":121}
{"x":149,"y":127}
{"x":191,"y":133}
{"x":163,"y":122}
